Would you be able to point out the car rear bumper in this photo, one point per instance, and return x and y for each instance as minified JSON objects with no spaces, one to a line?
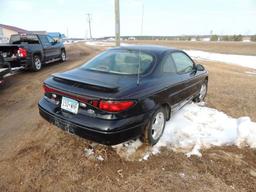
{"x":108,"y":132}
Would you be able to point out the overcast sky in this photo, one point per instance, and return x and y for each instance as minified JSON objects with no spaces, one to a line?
{"x":161,"y":17}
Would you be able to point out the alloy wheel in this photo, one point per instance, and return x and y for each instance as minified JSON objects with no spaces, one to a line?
{"x":158,"y":125}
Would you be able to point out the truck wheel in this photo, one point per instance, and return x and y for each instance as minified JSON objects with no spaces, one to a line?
{"x":36,"y":63}
{"x":155,"y":129}
{"x":63,"y":56}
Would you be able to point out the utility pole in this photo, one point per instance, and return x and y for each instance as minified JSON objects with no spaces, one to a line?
{"x":67,"y":33}
{"x":142,"y":18}
{"x":117,"y":22}
{"x":89,"y":22}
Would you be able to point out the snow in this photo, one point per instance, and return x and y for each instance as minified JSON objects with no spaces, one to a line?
{"x":66,"y":42}
{"x":251,"y":73}
{"x":196,"y":127}
{"x":104,"y":43}
{"x":100,"y":43}
{"x":241,"y":60}
{"x":92,"y":155}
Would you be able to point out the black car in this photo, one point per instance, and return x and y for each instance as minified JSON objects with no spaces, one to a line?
{"x":123,"y":93}
{"x":31,"y":51}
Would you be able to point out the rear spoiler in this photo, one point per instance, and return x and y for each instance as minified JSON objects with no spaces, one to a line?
{"x":89,"y":83}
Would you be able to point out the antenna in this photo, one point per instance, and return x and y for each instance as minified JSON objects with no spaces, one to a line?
{"x":138,"y":74}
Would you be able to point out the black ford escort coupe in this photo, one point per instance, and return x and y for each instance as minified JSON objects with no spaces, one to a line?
{"x":123,"y":93}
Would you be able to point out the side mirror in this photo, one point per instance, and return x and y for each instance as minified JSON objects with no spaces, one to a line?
{"x":54,"y":42}
{"x":200,"y":67}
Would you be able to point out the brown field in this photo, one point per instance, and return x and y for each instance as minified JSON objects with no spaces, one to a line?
{"x":240,"y":48}
{"x":36,"y":156}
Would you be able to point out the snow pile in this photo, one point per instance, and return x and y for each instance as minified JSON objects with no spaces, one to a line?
{"x":242,"y":60}
{"x":251,"y":73}
{"x":104,"y":43}
{"x":100,"y":43}
{"x":196,"y":127}
{"x":89,"y":152}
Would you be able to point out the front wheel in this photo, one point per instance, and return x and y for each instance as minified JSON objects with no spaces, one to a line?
{"x":155,"y":129}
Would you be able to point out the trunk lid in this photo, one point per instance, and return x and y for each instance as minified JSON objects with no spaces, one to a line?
{"x":94,"y":84}
{"x":77,"y":78}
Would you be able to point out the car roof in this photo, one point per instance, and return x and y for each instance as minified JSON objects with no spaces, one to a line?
{"x":146,"y":48}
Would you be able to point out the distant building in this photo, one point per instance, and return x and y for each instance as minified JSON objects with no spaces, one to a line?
{"x":7,"y":30}
{"x":246,"y":39}
{"x":131,"y":38}
{"x":206,"y":39}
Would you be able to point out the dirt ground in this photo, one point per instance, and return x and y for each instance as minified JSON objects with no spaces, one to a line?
{"x":36,"y":156}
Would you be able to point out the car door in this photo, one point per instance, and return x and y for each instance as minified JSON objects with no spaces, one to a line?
{"x":47,"y":49}
{"x":55,"y":50}
{"x":186,"y":70}
{"x":172,"y":81}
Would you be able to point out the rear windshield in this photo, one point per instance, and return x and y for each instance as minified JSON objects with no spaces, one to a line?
{"x":18,"y":39}
{"x":128,"y":62}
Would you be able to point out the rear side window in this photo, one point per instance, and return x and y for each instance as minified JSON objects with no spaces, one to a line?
{"x":121,"y":62}
{"x":168,"y":65}
{"x":30,"y":39}
{"x":183,"y":63}
{"x":44,"y":40}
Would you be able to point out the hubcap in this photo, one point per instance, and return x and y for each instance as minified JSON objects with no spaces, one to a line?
{"x":37,"y":63}
{"x":158,"y":125}
{"x":63,"y":56}
{"x":202,"y":92}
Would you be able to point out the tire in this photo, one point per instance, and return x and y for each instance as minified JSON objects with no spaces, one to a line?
{"x":63,"y":56}
{"x":2,"y":83}
{"x":36,"y":63}
{"x":202,"y":93}
{"x":154,"y":130}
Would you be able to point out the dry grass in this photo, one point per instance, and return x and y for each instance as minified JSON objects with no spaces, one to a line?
{"x":231,"y":89}
{"x":36,"y":156}
{"x":240,"y":48}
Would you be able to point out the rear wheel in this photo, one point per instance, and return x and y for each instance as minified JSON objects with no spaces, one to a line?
{"x":202,"y":93}
{"x":63,"y":56}
{"x":155,"y":129}
{"x":36,"y":63}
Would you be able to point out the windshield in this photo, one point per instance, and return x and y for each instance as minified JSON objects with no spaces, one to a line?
{"x":121,"y":62}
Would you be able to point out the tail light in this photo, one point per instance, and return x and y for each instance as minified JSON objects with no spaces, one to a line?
{"x":109,"y":106}
{"x":49,"y":90}
{"x":22,"y":52}
{"x":115,"y":106}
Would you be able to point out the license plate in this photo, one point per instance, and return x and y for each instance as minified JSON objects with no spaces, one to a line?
{"x":70,"y":105}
